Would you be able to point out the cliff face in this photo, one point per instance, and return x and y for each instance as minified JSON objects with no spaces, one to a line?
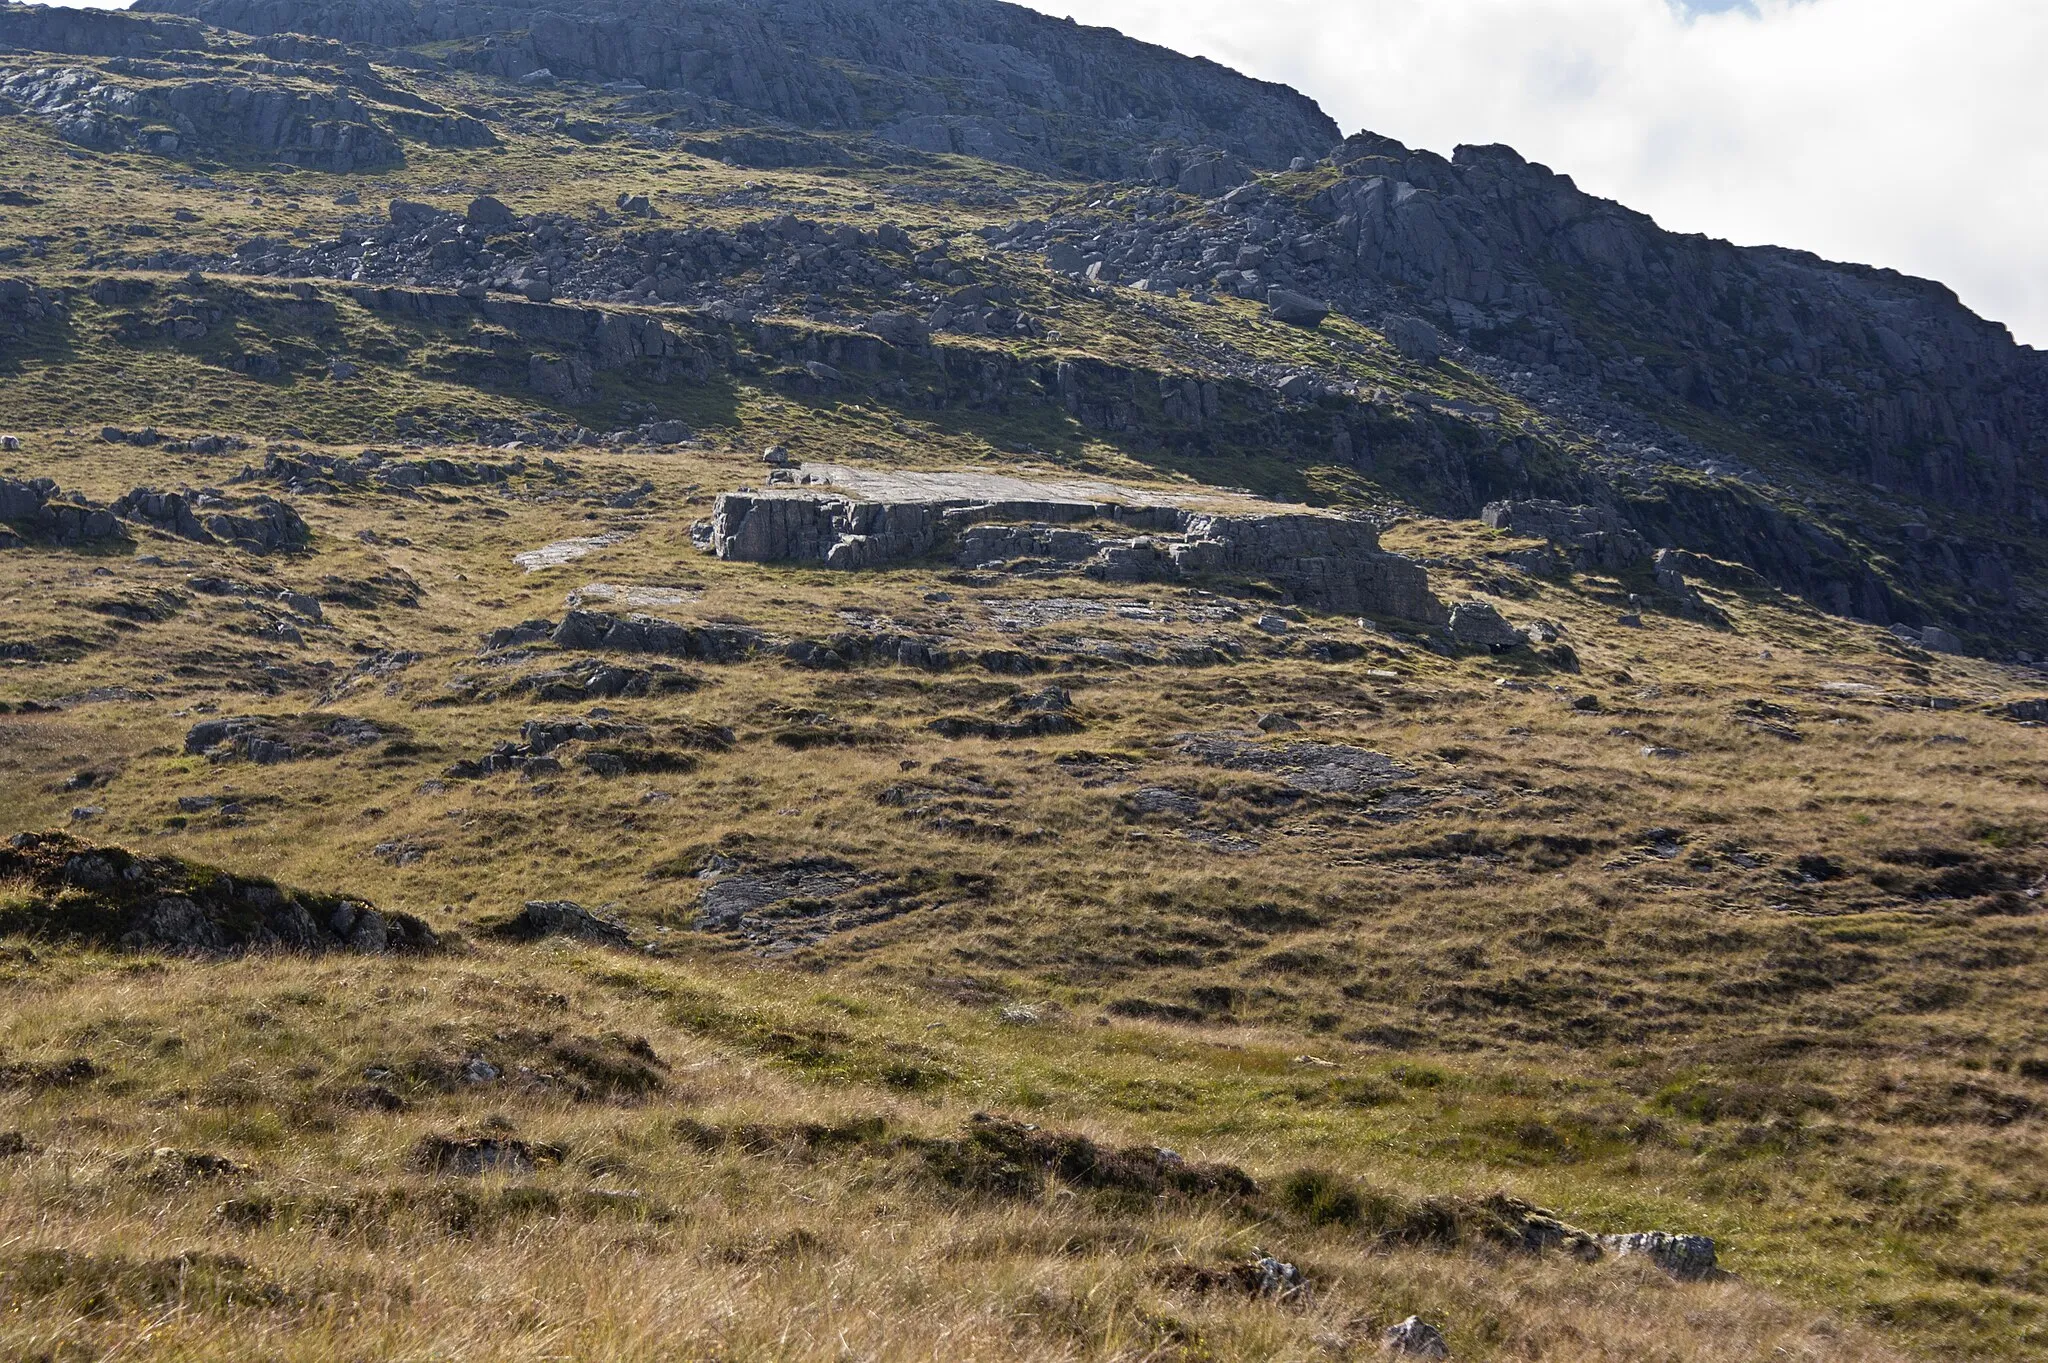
{"x":1867,"y":373}
{"x":964,"y":76}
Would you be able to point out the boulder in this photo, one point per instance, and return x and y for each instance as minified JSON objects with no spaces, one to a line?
{"x":561,"y":918}
{"x":1594,"y":537}
{"x":1478,"y":625}
{"x":1415,"y":339}
{"x":488,"y":214}
{"x":1296,"y":309}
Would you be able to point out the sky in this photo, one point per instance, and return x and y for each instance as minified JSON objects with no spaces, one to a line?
{"x":1905,"y":133}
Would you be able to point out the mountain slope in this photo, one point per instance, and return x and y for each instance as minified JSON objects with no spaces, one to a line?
{"x":912,"y":752}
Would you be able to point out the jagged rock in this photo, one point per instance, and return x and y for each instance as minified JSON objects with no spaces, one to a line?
{"x":331,"y":130}
{"x":1324,"y":561}
{"x":34,"y":509}
{"x":1415,"y":339}
{"x":259,"y":525}
{"x":111,"y":897}
{"x":1415,"y":1338}
{"x":1597,"y":539}
{"x":1204,"y":172}
{"x":561,"y":918}
{"x":268,"y":741}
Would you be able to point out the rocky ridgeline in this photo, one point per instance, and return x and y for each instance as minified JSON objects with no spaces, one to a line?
{"x":1324,"y":562}
{"x":952,"y":76}
{"x":305,"y":472}
{"x":110,"y":897}
{"x":173,"y":89}
{"x":1517,"y":263}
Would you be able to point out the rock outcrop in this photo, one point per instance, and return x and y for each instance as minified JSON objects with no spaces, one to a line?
{"x":111,"y":897}
{"x":39,"y":511}
{"x":1595,"y":538}
{"x":257,"y":525}
{"x":1325,"y":562}
{"x":951,"y":76}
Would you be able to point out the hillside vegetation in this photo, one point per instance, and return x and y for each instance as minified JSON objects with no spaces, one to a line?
{"x":461,"y":898}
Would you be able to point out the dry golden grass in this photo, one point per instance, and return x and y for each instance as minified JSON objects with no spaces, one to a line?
{"x":1783,"y":988}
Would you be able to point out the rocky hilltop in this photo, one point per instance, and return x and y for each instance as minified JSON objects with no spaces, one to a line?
{"x":970,"y":76}
{"x":1856,"y":436}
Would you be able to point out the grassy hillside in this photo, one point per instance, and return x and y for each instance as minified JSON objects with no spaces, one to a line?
{"x":1723,"y":923}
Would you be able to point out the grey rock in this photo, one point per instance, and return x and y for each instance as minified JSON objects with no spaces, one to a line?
{"x":1477,"y":624}
{"x":1595,"y":538}
{"x":976,"y":78}
{"x":1682,"y":1256}
{"x":1324,"y":768}
{"x":563,"y":918}
{"x":488,"y":214}
{"x":1415,"y":1338}
{"x":1296,"y":309}
{"x":1415,"y":339}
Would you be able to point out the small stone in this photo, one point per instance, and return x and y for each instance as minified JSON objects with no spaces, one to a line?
{"x":1415,"y":1338}
{"x":1274,"y":624}
{"x":1278,"y":724}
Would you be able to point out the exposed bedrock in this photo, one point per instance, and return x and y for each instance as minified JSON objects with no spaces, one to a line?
{"x":1324,"y":562}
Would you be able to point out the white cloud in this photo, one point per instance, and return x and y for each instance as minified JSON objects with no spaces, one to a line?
{"x":1906,"y":133}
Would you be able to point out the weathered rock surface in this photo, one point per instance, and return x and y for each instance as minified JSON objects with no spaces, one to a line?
{"x":560,"y":918}
{"x":39,"y":510}
{"x":968,"y":76}
{"x":1478,"y":625}
{"x":110,"y":897}
{"x":1595,"y":538}
{"x":1324,"y":768}
{"x":257,"y":525}
{"x":1682,"y":1256}
{"x":1325,"y":562}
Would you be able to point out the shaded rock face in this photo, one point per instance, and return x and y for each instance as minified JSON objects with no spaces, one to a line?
{"x":259,"y":525}
{"x":34,"y":508}
{"x":1324,"y":562}
{"x":1595,"y":538}
{"x":331,"y":132}
{"x":1733,"y":330}
{"x":986,"y":79}
{"x":109,"y":897}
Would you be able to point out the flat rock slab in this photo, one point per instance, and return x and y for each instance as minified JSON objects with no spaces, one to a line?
{"x":1012,"y":616}
{"x":1324,"y":768}
{"x":966,"y":489}
{"x":565,"y":551}
{"x":631,"y":597}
